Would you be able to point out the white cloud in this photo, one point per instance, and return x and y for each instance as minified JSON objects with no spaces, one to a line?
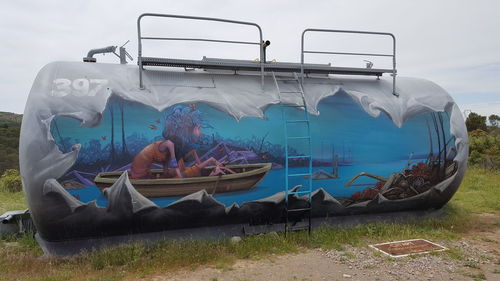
{"x":485,"y":109}
{"x":452,"y":43}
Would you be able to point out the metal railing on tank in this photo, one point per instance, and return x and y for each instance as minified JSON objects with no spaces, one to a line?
{"x":368,"y":70}
{"x":142,"y":61}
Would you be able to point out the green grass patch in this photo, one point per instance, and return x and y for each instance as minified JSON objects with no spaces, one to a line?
{"x":11,"y":201}
{"x":472,"y":264}
{"x":140,"y":260}
{"x":223,"y":267}
{"x":21,"y":256}
{"x":455,"y":254}
{"x":477,"y":277}
{"x":478,"y":192}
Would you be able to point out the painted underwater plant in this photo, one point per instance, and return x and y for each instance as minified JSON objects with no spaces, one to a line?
{"x":416,"y":177}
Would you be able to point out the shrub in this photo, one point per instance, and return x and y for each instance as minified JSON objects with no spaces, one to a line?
{"x":11,"y":181}
{"x":475,"y":121}
{"x":484,"y":150}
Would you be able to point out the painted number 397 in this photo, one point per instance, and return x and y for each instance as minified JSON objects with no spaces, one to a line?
{"x":78,"y":87}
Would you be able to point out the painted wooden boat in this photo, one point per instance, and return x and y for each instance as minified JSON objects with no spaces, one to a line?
{"x":245,"y":178}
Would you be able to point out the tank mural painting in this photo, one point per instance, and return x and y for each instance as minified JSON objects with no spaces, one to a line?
{"x":189,"y":148}
{"x":196,"y":149}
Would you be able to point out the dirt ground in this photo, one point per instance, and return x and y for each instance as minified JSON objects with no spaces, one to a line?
{"x":474,"y":257}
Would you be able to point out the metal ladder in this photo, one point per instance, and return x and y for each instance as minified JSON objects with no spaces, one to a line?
{"x":303,"y":190}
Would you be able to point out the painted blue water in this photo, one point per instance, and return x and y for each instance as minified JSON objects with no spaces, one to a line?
{"x":342,"y":129}
{"x":342,"y":126}
{"x":274,"y":183}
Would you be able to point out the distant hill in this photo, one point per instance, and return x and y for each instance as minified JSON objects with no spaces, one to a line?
{"x":10,"y":126}
{"x":10,"y":118}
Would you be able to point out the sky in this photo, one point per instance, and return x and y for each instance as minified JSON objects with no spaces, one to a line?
{"x":453,"y":43}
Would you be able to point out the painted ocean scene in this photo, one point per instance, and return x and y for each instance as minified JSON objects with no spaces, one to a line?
{"x":346,"y":141}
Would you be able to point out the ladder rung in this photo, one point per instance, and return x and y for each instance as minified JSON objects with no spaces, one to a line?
{"x":293,"y":105}
{"x":298,"y":138}
{"x":297,"y":121}
{"x":297,"y":228}
{"x":299,"y":156}
{"x":299,"y":175}
{"x":287,"y":79}
{"x":299,"y":210}
{"x":300,"y":192}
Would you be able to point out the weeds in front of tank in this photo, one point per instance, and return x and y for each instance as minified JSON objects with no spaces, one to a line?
{"x":477,"y":277}
{"x":471,"y":264}
{"x":455,"y":254}
{"x":21,"y":260}
{"x":11,"y":201}
{"x":223,"y":267}
{"x":479,"y":191}
{"x":146,"y":259}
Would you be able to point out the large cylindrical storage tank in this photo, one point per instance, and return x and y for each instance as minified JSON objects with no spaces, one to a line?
{"x":101,"y":157}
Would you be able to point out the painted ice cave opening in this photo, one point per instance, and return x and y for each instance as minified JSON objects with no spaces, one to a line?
{"x":344,"y":137}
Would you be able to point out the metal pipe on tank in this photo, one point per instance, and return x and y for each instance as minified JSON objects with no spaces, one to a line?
{"x":265,"y":44}
{"x":91,"y":53}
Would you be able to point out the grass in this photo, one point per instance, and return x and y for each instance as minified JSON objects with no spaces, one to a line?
{"x":479,"y":191}
{"x":477,"y":277}
{"x":11,"y":201}
{"x":455,"y":254}
{"x":20,"y":258}
{"x":472,"y":264}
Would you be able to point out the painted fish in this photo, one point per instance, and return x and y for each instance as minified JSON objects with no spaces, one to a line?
{"x":158,"y":121}
{"x":153,"y":127}
{"x":103,"y":138}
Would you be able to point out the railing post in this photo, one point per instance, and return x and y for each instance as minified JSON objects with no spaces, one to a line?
{"x":394,"y":72}
{"x":261,"y":63}
{"x":139,"y":40}
{"x":302,"y":57}
{"x":139,"y":51}
{"x":394,"y":66}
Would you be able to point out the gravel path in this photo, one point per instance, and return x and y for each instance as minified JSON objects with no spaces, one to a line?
{"x":475,"y":257}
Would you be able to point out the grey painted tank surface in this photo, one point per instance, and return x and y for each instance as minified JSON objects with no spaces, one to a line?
{"x":82,"y":91}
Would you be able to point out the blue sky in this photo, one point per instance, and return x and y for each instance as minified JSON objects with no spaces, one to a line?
{"x":470,"y":98}
{"x":454,"y":45}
